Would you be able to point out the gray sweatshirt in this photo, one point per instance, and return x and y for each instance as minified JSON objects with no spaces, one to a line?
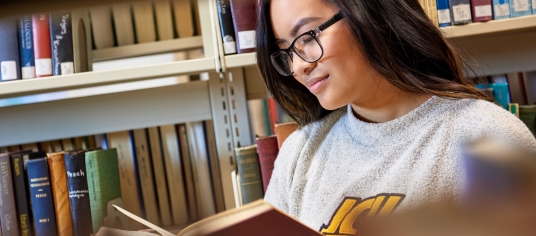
{"x":333,"y":170}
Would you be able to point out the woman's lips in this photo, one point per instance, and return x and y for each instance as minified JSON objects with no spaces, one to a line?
{"x":315,"y":84}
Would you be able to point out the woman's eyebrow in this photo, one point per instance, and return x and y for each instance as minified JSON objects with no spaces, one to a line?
{"x":301,"y":23}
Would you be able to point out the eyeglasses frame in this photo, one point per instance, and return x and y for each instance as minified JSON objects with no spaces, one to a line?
{"x":314,"y":33}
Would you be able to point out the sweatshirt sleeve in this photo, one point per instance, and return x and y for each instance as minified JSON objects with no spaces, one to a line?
{"x":278,"y":193}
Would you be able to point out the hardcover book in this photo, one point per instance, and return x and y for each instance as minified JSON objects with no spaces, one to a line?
{"x":101,"y":25}
{"x":9,"y":50}
{"x":164,"y":20}
{"x":8,"y":210}
{"x":184,"y":19}
{"x":124,"y":29}
{"x":144,"y":21}
{"x":501,"y":9}
{"x":520,"y":8}
{"x":20,"y":182}
{"x":41,"y":195}
{"x":481,"y":10}
{"x":189,"y":183}
{"x":461,"y":11}
{"x":103,"y":183}
{"x":159,"y":175}
{"x":244,"y":22}
{"x":282,"y":131}
{"x":214,"y":166}
{"x":27,"y":59}
{"x":60,"y":194}
{"x":41,"y":41}
{"x":61,"y":43}
{"x":75,"y":168}
{"x":443,"y":13}
{"x":249,"y":171}
{"x":267,"y":150}
{"x":527,"y":114}
{"x":226,"y":26}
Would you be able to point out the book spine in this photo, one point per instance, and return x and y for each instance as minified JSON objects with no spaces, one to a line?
{"x":22,"y":195}
{"x":103,"y":183}
{"x":267,"y":150}
{"x":27,"y":59}
{"x":501,"y":9}
{"x":500,"y":93}
{"x":75,"y":167}
{"x":124,"y":30}
{"x":520,"y":8}
{"x":8,"y":211}
{"x":41,"y":195}
{"x":481,"y":10}
{"x":461,"y":11}
{"x":9,"y":50}
{"x":271,"y":106}
{"x":215,"y":172}
{"x":144,"y":21}
{"x":164,"y":21}
{"x":534,"y":7}
{"x":527,"y":114}
{"x":159,"y":175}
{"x":282,"y":131}
{"x":443,"y":13}
{"x":41,"y":40}
{"x":187,"y":170}
{"x":244,"y":18}
{"x":250,"y":174}
{"x":226,"y":26}
{"x":58,"y":180}
{"x":61,"y":43}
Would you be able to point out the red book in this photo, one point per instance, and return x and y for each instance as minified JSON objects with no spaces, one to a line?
{"x":41,"y":40}
{"x":272,"y":113}
{"x":267,"y":150}
{"x":244,"y":21}
{"x":481,"y":10}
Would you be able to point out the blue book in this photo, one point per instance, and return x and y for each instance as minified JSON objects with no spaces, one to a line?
{"x":226,"y":26}
{"x":27,"y":59}
{"x":520,"y":8}
{"x":501,"y":9}
{"x":443,"y":13}
{"x":75,"y":166}
{"x":460,"y":11}
{"x":41,"y":197}
{"x":9,"y":50}
{"x":501,"y":94}
{"x":61,"y":40}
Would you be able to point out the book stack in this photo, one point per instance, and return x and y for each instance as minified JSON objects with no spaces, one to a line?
{"x":44,"y":44}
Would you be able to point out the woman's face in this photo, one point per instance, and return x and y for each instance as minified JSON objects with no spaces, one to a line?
{"x":342,"y":75}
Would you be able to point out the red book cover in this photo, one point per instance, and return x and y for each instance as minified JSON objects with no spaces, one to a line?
{"x":481,"y":10}
{"x":244,"y":21}
{"x":267,"y":150}
{"x":42,"y":46}
{"x":272,"y":113}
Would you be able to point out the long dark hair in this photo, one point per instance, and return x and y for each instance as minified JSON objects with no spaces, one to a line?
{"x":398,"y":40}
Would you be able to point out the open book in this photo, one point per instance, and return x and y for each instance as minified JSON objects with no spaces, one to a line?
{"x":257,"y":218}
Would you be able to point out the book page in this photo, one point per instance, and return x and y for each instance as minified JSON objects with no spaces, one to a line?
{"x":146,"y":223}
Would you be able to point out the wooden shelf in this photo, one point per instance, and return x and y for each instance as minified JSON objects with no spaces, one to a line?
{"x":502,"y":26}
{"x":240,"y":60}
{"x":23,"y":7}
{"x":143,"y":49}
{"x":88,"y":79}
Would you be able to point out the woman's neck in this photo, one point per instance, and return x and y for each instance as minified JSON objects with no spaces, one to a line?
{"x":387,"y":103}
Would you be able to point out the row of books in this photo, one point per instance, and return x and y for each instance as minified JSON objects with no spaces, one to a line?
{"x":264,"y":114}
{"x":238,"y":25}
{"x":44,"y":44}
{"x":458,"y":12}
{"x":255,"y":164}
{"x":167,"y":174}
{"x":143,"y":22}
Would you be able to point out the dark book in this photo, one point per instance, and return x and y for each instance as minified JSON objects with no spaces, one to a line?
{"x":41,"y":40}
{"x":244,"y":22}
{"x":226,"y":26}
{"x":249,"y":173}
{"x":61,"y":43}
{"x":27,"y":59}
{"x":267,"y":150}
{"x":460,"y":11}
{"x":75,"y":166}
{"x":41,"y":195}
{"x":20,"y":181}
{"x":443,"y":13}
{"x":9,"y":50}
{"x":527,"y":114}
{"x":8,"y":211}
{"x":481,"y":10}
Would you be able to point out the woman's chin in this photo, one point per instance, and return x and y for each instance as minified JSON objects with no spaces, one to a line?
{"x":331,"y":105}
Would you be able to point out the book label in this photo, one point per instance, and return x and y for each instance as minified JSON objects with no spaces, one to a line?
{"x":502,"y":10}
{"x":462,"y":12}
{"x":521,"y":5}
{"x":246,"y":39}
{"x":43,"y":66}
{"x":8,"y":70}
{"x":28,"y":72}
{"x":67,"y":68}
{"x":484,"y":10}
{"x":443,"y":16}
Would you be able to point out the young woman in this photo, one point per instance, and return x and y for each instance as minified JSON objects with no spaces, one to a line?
{"x":383,"y":106}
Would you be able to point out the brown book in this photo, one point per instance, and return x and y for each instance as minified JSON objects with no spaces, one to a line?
{"x":282,"y":131}
{"x":258,"y":218}
{"x":8,"y":211}
{"x":60,"y":193}
{"x":267,"y":149}
{"x":244,"y":22}
{"x":182,"y":13}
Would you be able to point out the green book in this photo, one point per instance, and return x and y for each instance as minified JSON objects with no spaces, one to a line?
{"x":527,"y":114}
{"x":249,"y":172}
{"x":103,"y":183}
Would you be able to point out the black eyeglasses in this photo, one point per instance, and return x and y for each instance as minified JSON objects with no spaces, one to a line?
{"x":307,"y":46}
